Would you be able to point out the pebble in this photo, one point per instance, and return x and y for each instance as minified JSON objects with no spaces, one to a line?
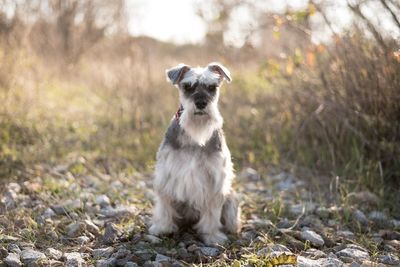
{"x":377,"y":216}
{"x":360,"y":217}
{"x":13,"y":260}
{"x":323,"y":212}
{"x":111,"y":234}
{"x":102,"y":252}
{"x":121,"y":211}
{"x":74,"y":259}
{"x":162,"y":258}
{"x":272,"y":248}
{"x":103,"y":201}
{"x":30,"y":256}
{"x":152,"y":239}
{"x":209,"y":251}
{"x":69,"y":205}
{"x":313,"y":254}
{"x":75,"y":229}
{"x":322,"y":262}
{"x":363,"y":198}
{"x":48,"y":213}
{"x":131,"y":264}
{"x":91,"y":227}
{"x":353,"y":253}
{"x":250,"y":175}
{"x":106,"y":262}
{"x":389,"y":259}
{"x":82,"y":240}
{"x":14,"y":248}
{"x":314,"y":238}
{"x":346,"y":234}
{"x":3,"y":252}
{"x":54,"y":254}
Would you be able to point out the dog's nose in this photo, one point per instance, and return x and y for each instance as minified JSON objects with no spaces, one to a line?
{"x":200,"y":104}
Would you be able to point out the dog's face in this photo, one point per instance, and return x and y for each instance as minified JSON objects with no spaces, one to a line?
{"x":199,"y":87}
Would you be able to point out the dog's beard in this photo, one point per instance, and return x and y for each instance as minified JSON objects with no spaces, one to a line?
{"x":200,"y":125}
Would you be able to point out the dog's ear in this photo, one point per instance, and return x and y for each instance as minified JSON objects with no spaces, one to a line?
{"x":175,"y":75}
{"x":221,"y":70}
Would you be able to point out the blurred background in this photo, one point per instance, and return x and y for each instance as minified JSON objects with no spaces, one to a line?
{"x":316,"y":84}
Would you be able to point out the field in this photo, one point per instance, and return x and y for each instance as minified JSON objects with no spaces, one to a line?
{"x":314,"y":132}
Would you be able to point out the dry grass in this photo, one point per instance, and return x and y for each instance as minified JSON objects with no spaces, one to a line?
{"x":331,"y":109}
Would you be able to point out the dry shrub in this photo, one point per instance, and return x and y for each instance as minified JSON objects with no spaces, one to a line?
{"x":344,"y":112}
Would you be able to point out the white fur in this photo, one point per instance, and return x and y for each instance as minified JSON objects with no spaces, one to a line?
{"x":192,"y":176}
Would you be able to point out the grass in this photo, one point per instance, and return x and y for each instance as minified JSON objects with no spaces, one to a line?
{"x":335,"y":115}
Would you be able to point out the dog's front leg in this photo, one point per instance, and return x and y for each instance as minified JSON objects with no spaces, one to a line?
{"x":163,"y":217}
{"x":209,"y":224}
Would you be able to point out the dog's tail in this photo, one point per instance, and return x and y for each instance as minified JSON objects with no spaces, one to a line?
{"x":230,"y":216}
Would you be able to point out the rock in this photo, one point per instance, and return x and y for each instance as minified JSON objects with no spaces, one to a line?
{"x":3,"y":252}
{"x":121,"y":211}
{"x":162,"y":258}
{"x":30,"y":256}
{"x":48,"y":213}
{"x":354,"y":253}
{"x":313,"y":254}
{"x":11,"y":195}
{"x":91,"y":227}
{"x":74,"y":259}
{"x":395,"y":223}
{"x":272,"y":248}
{"x":82,"y":240}
{"x":102,"y":252}
{"x":346,"y":234}
{"x":297,"y":209}
{"x":111,"y":234}
{"x":377,"y":216}
{"x":250,"y":174}
{"x":144,"y":254}
{"x":66,"y":207}
{"x":14,"y":248}
{"x":260,"y":223}
{"x":13,"y":260}
{"x":152,"y":264}
{"x":322,"y":262}
{"x":360,"y":217}
{"x":152,"y":239}
{"x":54,"y":254}
{"x":314,"y":238}
{"x":183,"y":253}
{"x":75,"y":229}
{"x":322,"y":212}
{"x":389,"y":259}
{"x":103,"y":201}
{"x":131,"y":264}
{"x":363,"y":198}
{"x":209,"y":251}
{"x":193,"y":248}
{"x":106,"y":262}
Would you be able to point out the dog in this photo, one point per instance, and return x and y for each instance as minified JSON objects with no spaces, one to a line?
{"x":194,"y":170}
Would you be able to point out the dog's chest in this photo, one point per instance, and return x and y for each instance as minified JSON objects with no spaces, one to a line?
{"x":190,"y":174}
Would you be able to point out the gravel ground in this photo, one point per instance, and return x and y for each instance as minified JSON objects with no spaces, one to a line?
{"x":75,"y":215}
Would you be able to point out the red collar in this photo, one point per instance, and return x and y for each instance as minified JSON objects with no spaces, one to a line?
{"x":178,"y":113}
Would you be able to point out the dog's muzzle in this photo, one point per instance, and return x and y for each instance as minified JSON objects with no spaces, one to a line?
{"x":200,"y":104}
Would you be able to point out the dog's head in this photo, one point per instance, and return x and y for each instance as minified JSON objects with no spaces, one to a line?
{"x":198,"y":87}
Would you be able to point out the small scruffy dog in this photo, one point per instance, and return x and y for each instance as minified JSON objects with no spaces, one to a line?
{"x":194,"y":171}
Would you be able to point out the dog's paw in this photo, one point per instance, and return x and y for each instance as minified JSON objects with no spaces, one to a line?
{"x":217,"y":238}
{"x":158,"y":230}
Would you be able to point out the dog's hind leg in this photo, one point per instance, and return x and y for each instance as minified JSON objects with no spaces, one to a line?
{"x":230,"y":216}
{"x":163,"y":217}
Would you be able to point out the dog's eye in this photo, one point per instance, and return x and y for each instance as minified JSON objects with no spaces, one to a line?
{"x":211,"y":88}
{"x":188,"y":88}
